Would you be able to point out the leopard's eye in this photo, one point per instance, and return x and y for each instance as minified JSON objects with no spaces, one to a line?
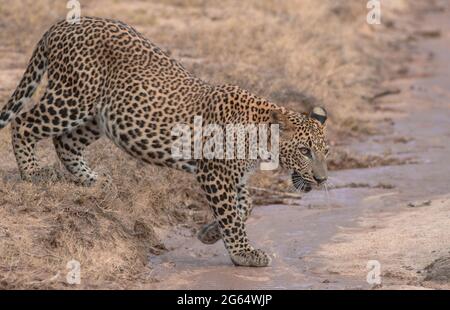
{"x":305,"y":151}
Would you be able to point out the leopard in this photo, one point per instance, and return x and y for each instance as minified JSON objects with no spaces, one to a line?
{"x":106,"y":79}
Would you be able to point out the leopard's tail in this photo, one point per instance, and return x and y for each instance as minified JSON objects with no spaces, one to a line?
{"x":27,"y":86}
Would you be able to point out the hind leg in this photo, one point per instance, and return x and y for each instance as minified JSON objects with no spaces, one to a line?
{"x":70,"y":149}
{"x":25,"y":135}
{"x":51,"y":117}
{"x":24,"y":143}
{"x":27,"y":130}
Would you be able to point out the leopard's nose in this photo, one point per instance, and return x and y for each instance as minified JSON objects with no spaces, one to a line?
{"x":320,"y":180}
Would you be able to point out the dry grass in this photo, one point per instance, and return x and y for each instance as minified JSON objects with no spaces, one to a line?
{"x":296,"y":53}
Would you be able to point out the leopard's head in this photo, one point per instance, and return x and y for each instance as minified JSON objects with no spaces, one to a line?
{"x":302,"y":146}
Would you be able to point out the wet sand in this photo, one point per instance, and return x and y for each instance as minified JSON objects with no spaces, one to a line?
{"x":397,"y":215}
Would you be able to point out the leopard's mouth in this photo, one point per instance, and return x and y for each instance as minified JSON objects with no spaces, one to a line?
{"x":300,"y":183}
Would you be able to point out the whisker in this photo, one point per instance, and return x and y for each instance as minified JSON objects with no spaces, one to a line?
{"x":330,"y":184}
{"x":334,"y":180}
{"x":326,"y":192}
{"x":291,"y":188}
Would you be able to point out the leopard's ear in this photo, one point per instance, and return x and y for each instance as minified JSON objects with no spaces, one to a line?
{"x":277,"y":116}
{"x":319,"y":113}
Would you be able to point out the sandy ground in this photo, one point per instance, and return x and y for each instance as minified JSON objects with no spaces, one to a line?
{"x":397,"y":215}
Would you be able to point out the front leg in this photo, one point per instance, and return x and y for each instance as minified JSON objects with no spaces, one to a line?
{"x":245,"y":204}
{"x":222,"y":194}
{"x":210,"y":233}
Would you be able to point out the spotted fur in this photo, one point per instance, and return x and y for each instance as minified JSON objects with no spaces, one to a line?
{"x":105,"y":78}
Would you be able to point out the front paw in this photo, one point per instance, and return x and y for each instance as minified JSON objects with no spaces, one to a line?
{"x":251,"y":258}
{"x":210,"y":233}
